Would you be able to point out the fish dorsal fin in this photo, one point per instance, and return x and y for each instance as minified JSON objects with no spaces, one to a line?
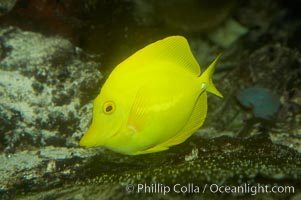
{"x":173,"y":49}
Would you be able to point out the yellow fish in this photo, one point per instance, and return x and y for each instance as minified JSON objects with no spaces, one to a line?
{"x":151,"y":101}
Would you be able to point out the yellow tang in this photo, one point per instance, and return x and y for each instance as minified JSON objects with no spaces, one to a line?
{"x":153,"y":100}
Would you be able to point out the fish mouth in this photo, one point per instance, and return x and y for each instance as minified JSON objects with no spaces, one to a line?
{"x":86,"y":141}
{"x":100,"y":134}
{"x":91,"y":139}
{"x":94,"y":138}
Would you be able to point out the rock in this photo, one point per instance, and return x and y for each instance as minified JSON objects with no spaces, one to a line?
{"x":35,"y":169}
{"x":6,"y":6}
{"x":45,"y":107}
{"x":223,"y":161}
{"x":203,"y":15}
{"x":43,"y":84}
{"x":226,"y":34}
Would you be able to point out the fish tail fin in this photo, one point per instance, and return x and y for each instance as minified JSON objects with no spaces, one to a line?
{"x":206,"y":78}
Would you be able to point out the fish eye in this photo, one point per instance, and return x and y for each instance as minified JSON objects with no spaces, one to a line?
{"x":108,"y":107}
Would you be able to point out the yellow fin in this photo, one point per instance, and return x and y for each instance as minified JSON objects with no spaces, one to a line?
{"x":173,"y":49}
{"x":194,"y":122}
{"x":197,"y":117}
{"x":206,"y":78}
{"x":138,"y":113}
{"x":154,"y":149}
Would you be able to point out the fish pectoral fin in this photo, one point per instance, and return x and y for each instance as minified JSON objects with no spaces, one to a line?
{"x":139,"y":113}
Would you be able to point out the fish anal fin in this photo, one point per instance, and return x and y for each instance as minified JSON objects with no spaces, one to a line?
{"x":194,"y":122}
{"x":154,"y":149}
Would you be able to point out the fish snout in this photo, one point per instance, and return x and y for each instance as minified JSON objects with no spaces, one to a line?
{"x":90,"y":139}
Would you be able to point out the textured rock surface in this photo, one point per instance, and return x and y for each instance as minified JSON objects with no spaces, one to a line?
{"x":6,"y":6}
{"x":46,"y":88}
{"x":223,"y":161}
{"x":43,"y":84}
{"x":43,"y":87}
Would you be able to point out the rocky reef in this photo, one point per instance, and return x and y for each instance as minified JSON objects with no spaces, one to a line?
{"x":48,"y":83}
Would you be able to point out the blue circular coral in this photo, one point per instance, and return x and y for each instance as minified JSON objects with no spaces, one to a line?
{"x":263,"y":102}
